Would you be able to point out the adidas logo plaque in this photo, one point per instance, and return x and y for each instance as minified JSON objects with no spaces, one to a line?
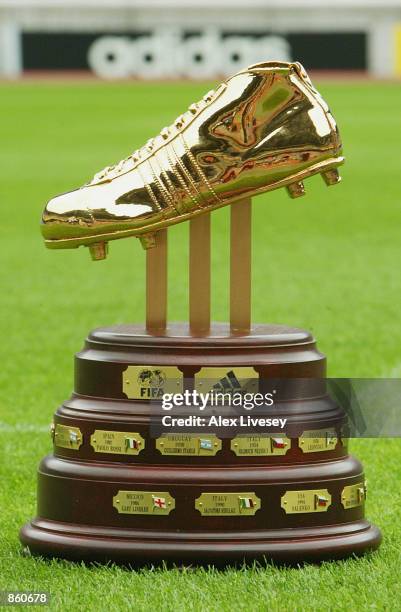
{"x":227,"y":380}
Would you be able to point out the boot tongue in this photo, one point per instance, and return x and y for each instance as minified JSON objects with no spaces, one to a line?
{"x":285,"y":67}
{"x":274,"y":66}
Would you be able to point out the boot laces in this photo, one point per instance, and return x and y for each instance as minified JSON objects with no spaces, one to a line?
{"x":154,"y":142}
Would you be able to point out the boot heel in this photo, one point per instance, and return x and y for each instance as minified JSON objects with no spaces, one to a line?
{"x":99,"y":250}
{"x":296,"y":190}
{"x":331,"y":177}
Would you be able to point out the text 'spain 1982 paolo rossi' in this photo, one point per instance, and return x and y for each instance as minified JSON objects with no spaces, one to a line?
{"x":264,"y":128}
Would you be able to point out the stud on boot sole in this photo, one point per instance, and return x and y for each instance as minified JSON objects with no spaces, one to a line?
{"x":296,"y":190}
{"x":148,"y":241}
{"x":99,"y":250}
{"x":331,"y":177}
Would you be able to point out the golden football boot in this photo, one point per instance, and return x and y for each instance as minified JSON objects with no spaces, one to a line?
{"x":264,"y":128}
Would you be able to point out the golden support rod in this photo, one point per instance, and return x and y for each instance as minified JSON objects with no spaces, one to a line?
{"x":199,"y":275}
{"x":240,"y":267}
{"x":156,"y":285}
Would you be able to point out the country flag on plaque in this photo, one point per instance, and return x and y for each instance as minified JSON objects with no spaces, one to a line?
{"x":73,"y":437}
{"x":131,"y":443}
{"x":206,"y":444}
{"x":361,"y":494}
{"x":279,"y":443}
{"x":321,"y":501}
{"x":159,"y":502}
{"x":330,"y":438}
{"x":246,"y":502}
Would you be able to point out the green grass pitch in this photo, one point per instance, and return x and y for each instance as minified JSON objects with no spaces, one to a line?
{"x":329,"y":262}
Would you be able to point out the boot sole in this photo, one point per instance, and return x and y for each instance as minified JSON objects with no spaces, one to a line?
{"x":98,"y":243}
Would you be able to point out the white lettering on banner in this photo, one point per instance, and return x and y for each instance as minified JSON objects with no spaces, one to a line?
{"x":167,"y":54}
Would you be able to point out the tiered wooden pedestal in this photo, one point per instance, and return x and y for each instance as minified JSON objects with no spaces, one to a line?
{"x":80,"y":485}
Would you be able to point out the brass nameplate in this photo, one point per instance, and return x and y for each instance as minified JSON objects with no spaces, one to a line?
{"x":353,"y":495}
{"x":188,"y":445}
{"x":117,"y":442}
{"x":318,"y":440}
{"x":223,"y":504}
{"x":143,"y":502}
{"x":301,"y":502}
{"x":67,"y":437}
{"x":227,"y":380}
{"x":151,"y":382}
{"x":260,"y":446}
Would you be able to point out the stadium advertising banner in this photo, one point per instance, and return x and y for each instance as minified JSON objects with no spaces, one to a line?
{"x":188,"y":54}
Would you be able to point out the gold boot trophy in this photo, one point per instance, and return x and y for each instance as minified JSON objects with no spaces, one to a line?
{"x":114,"y":491}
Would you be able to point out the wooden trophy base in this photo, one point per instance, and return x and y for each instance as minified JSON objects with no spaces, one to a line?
{"x":111,"y":491}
